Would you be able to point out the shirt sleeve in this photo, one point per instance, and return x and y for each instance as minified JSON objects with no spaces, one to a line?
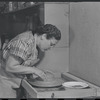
{"x":19,"y":48}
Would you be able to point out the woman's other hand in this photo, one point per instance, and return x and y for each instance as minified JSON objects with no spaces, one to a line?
{"x":30,"y":62}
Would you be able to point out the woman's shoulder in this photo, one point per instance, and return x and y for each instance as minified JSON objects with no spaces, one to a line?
{"x":25,"y":36}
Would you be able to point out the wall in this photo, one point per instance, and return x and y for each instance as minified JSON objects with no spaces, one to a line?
{"x":57,"y":59}
{"x":85,"y":41}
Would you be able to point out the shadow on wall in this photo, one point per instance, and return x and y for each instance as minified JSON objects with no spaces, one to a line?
{"x":71,"y":35}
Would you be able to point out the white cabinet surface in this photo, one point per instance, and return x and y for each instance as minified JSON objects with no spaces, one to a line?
{"x":57,"y":13}
{"x":85,"y":41}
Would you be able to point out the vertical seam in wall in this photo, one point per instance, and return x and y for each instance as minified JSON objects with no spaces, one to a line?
{"x":69,"y":36}
{"x":44,"y":12}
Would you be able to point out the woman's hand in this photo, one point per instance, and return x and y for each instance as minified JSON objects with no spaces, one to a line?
{"x":41,"y":74}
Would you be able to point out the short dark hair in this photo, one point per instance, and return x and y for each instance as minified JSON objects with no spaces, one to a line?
{"x":50,"y":30}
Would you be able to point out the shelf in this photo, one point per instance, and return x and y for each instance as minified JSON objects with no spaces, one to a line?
{"x":24,"y":10}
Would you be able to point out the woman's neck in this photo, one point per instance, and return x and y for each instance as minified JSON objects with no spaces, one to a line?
{"x":37,"y":39}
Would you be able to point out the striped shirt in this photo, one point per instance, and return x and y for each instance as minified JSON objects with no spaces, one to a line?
{"x":23,"y":46}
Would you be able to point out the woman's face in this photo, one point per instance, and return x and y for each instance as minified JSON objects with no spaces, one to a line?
{"x":46,"y":44}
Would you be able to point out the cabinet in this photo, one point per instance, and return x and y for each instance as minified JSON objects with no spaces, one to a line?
{"x":15,"y":22}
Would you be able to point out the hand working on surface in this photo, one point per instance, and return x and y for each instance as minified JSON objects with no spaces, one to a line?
{"x":41,"y":74}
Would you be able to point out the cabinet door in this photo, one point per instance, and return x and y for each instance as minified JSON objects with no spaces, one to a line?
{"x":16,"y":22}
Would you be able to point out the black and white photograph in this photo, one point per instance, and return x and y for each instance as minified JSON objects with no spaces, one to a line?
{"x":49,"y":50}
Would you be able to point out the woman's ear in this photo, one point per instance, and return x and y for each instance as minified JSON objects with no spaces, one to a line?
{"x":44,"y":36}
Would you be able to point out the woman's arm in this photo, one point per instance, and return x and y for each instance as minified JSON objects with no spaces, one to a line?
{"x":14,"y":66}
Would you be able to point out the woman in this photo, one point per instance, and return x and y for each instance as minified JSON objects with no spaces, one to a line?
{"x":20,"y":55}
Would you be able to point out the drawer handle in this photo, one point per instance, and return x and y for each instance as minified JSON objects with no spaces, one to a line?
{"x":52,"y":95}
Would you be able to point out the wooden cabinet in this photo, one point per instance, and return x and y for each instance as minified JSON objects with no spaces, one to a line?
{"x":15,"y":22}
